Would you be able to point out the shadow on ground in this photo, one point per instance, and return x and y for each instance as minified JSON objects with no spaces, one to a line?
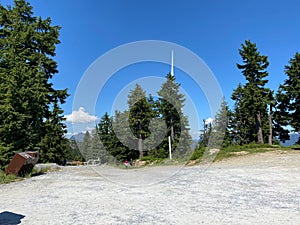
{"x":9,"y":218}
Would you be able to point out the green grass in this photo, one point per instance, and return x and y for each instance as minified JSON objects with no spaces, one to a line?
{"x":4,"y":179}
{"x":295,"y":147}
{"x":198,"y":153}
{"x":233,"y":151}
{"x":236,"y":150}
{"x":152,"y":160}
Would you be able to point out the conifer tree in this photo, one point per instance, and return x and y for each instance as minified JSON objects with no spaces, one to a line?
{"x":124,"y":139}
{"x":75,"y":153}
{"x":113,"y":136}
{"x":30,"y":116}
{"x":171,"y":103}
{"x":288,"y":100}
{"x":105,"y":131}
{"x":243,"y":129}
{"x":86,"y":145}
{"x":140,"y":114}
{"x":220,"y":134}
{"x":107,"y":138}
{"x":252,"y":99}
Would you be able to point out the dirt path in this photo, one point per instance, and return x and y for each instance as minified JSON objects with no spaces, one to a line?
{"x":256,"y":189}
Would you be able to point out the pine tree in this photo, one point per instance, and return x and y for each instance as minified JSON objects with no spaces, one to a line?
{"x":253,"y":96}
{"x":288,"y":99}
{"x":96,"y":149}
{"x":105,"y":132}
{"x":140,"y":114}
{"x":116,"y":145}
{"x":108,"y":139}
{"x":28,"y":101}
{"x":86,"y":145}
{"x":54,"y":147}
{"x":75,"y":153}
{"x":156,"y":129}
{"x":220,"y":134}
{"x":171,"y":110}
{"x":205,"y":134}
{"x":124,"y":138}
{"x":99,"y":149}
{"x":242,"y":122}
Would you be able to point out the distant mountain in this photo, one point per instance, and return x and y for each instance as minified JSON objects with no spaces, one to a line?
{"x":77,"y":137}
{"x":294,"y":137}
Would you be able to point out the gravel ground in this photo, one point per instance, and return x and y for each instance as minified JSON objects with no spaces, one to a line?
{"x":255,"y":189}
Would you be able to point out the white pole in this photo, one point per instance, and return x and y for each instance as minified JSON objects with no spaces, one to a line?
{"x":170,"y":148}
{"x":172,"y":63}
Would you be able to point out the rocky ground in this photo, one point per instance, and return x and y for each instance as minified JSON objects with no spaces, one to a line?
{"x":253,"y":189}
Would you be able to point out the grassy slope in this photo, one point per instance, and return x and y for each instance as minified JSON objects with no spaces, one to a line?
{"x":250,"y":149}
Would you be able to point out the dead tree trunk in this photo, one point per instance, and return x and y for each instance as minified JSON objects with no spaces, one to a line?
{"x":271,"y":126}
{"x":140,"y":146}
{"x":260,"y":138}
{"x":172,"y":130}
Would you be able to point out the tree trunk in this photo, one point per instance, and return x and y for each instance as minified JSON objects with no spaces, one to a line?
{"x":260,"y":138}
{"x":172,"y":130}
{"x":140,"y":146}
{"x":270,"y":126}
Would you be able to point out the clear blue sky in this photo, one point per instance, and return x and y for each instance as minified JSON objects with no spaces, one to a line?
{"x":213,"y":29}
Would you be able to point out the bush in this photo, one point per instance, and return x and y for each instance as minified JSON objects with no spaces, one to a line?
{"x":4,"y":179}
{"x":198,"y":153}
{"x":150,"y":159}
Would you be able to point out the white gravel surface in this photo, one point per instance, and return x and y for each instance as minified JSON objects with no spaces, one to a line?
{"x":256,"y":189}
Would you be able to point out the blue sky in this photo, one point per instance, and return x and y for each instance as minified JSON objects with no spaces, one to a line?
{"x":214,"y":30}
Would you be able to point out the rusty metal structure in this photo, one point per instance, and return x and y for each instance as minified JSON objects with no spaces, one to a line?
{"x":22,"y":162}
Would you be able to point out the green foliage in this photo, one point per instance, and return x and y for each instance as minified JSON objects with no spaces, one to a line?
{"x":236,"y":150}
{"x":75,"y":154}
{"x":217,"y":134}
{"x":295,"y":147}
{"x":150,"y":159}
{"x":86,"y":145}
{"x":4,"y":179}
{"x":205,"y":134}
{"x":92,"y":148}
{"x":120,"y":146}
{"x":220,"y":133}
{"x":6,"y":154}
{"x":198,"y":152}
{"x":111,"y":146}
{"x":36,"y":172}
{"x":288,"y":107}
{"x":170,"y":107}
{"x":140,"y":114}
{"x":250,"y":118}
{"x":128,"y":135}
{"x":255,"y":145}
{"x":30,"y":116}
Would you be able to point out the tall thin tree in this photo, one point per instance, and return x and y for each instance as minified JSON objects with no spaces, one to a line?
{"x":253,"y":96}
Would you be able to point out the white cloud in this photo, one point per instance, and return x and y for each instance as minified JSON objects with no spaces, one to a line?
{"x":80,"y":116}
{"x":209,"y":120}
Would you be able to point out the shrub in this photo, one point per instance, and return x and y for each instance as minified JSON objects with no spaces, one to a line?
{"x":150,"y":159}
{"x":4,"y":179}
{"x":198,"y":153}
